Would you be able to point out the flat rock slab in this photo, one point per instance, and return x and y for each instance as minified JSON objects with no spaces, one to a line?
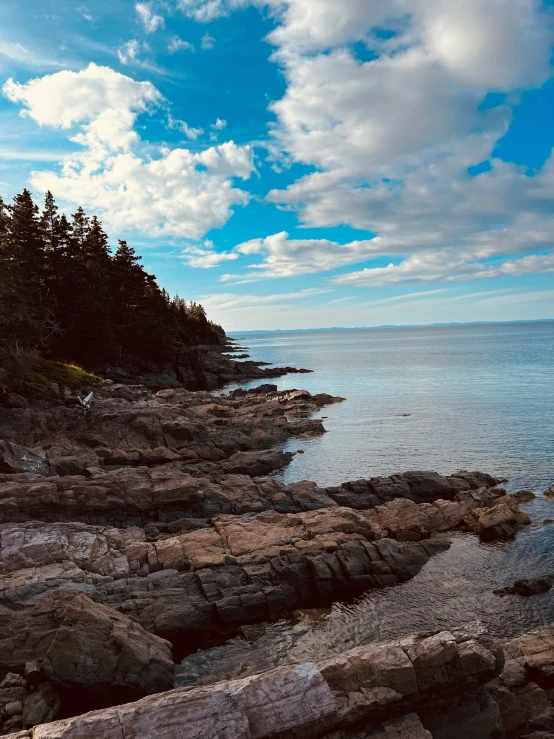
{"x":308,"y":700}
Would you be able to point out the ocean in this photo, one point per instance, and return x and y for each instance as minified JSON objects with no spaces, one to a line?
{"x":444,"y":398}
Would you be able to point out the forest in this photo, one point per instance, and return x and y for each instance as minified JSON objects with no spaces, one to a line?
{"x":65,"y":295}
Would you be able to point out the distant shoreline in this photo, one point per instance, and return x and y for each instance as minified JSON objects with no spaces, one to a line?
{"x":384,"y":326}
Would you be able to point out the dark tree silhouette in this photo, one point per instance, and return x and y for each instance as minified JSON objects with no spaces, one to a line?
{"x":64,"y":295}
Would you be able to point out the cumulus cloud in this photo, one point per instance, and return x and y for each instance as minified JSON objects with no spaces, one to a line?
{"x":148,"y":19}
{"x":219,"y":125}
{"x":391,"y":139}
{"x":285,"y":257}
{"x":177,"y":193}
{"x":104,"y":102}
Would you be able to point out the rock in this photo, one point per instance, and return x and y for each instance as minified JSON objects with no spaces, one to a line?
{"x":500,"y":522}
{"x":33,"y":672}
{"x":527,"y":587}
{"x":41,"y":706}
{"x":18,"y":458}
{"x":138,"y":495}
{"x":263,"y":389}
{"x":301,"y":701}
{"x":86,"y":647}
{"x":13,"y":400}
{"x":549,"y":492}
{"x":406,"y":727}
{"x":13,"y":709}
{"x":13,"y":680}
{"x":13,"y":723}
{"x":524,"y":496}
{"x":129,"y":426}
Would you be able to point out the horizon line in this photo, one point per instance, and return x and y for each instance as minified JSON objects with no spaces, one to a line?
{"x":385,"y":326}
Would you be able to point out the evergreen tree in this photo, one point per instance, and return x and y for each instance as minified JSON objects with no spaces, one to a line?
{"x":63,"y":294}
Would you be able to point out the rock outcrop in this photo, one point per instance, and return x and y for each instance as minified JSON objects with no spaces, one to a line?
{"x":85,"y":647}
{"x":368,"y":685}
{"x":130,"y":426}
{"x":233,"y":569}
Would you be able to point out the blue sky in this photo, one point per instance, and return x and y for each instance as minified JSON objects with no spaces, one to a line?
{"x":299,"y":163}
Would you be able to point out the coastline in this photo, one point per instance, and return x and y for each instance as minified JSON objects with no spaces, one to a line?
{"x":151,"y":527}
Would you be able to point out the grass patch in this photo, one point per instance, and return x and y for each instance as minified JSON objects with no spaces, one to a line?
{"x":72,"y":376}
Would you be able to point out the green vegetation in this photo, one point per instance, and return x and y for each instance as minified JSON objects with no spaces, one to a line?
{"x":45,"y":371}
{"x":66,"y":297}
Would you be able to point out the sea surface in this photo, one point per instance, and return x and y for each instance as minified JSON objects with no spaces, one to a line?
{"x":439,"y":398}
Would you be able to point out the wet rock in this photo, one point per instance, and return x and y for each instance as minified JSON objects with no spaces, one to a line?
{"x":527,"y":587}
{"x":549,"y":492}
{"x":502,"y":521}
{"x":524,"y":496}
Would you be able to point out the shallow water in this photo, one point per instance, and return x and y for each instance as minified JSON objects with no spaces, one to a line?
{"x":479,"y":397}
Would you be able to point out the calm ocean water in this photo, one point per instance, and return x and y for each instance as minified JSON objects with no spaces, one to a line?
{"x":440,"y":398}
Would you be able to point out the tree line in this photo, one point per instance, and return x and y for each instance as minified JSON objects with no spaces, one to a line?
{"x":66,"y":296}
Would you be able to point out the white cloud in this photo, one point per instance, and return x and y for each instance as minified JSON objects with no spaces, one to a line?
{"x":189,"y":131}
{"x":129,"y":51}
{"x":284,"y":257}
{"x":205,"y":11}
{"x":26,"y":57}
{"x":392,"y":138}
{"x":104,"y":102}
{"x":204,"y":256}
{"x":178,"y":44}
{"x":233,"y":303}
{"x":85,"y":13}
{"x":207,"y":42}
{"x":177,"y":193}
{"x":148,"y":19}
{"x":445,"y":266}
{"x":219,"y":125}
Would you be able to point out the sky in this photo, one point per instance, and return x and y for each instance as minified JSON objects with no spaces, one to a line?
{"x":298,"y":163}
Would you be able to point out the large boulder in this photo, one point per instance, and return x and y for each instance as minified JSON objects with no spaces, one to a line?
{"x":18,"y":458}
{"x":88,"y":649}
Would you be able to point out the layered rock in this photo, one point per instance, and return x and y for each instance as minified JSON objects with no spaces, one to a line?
{"x":86,"y":648}
{"x":234,"y":569}
{"x":366,"y":685}
{"x":166,"y":494}
{"x":129,"y":426}
{"x":152,"y":517}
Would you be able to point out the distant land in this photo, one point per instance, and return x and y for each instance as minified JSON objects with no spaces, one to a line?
{"x":375,"y":328}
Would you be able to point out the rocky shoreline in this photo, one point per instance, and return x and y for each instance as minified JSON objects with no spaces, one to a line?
{"x":132,"y":536}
